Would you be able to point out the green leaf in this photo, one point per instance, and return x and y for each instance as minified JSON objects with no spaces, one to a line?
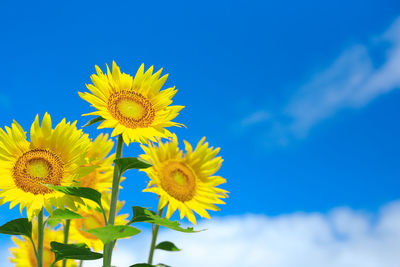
{"x":124,"y":164}
{"x":20,"y":226}
{"x":73,"y":252}
{"x":168,"y":246}
{"x":84,"y":192}
{"x":93,"y":121}
{"x":64,"y":214}
{"x":53,"y":222}
{"x":110,"y":233}
{"x":144,"y":215}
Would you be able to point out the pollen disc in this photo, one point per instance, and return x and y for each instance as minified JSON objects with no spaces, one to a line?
{"x":179,"y":181}
{"x":131,"y":109}
{"x":37,"y":167}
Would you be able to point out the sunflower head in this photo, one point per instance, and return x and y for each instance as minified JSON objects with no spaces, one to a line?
{"x":185,"y":181}
{"x":136,"y":107}
{"x":93,"y":218}
{"x":23,"y":255}
{"x":52,"y":156}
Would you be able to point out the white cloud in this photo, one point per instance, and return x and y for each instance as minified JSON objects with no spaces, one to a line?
{"x":341,"y":85}
{"x":351,"y":81}
{"x":340,"y":238}
{"x":255,"y":118}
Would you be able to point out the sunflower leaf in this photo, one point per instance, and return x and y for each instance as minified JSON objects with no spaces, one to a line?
{"x":53,"y":222}
{"x":73,"y":252}
{"x":64,"y":214}
{"x":93,"y":121}
{"x":168,"y":246}
{"x":110,"y":233}
{"x":83,"y":192}
{"x":20,"y":226}
{"x":144,"y":215}
{"x":124,"y":164}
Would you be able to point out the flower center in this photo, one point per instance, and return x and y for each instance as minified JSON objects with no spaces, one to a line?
{"x":131,"y":109}
{"x":179,"y":181}
{"x":36,"y":167}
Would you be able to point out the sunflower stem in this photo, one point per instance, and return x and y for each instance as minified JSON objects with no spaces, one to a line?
{"x":80,"y":263}
{"x":66,"y":233}
{"x":108,"y":248}
{"x":154,"y":233}
{"x":39,"y":259}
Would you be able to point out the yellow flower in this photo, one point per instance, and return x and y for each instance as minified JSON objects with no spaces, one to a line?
{"x":185,"y":182}
{"x":135,"y":108}
{"x":93,"y":218}
{"x":101,"y":177}
{"x":53,"y":156}
{"x":23,"y":254}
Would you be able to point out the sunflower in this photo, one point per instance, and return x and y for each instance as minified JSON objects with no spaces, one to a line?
{"x":53,"y":156}
{"x":185,"y":182}
{"x":135,"y":108}
{"x":93,"y":218}
{"x":23,"y":254}
{"x":100,"y":166}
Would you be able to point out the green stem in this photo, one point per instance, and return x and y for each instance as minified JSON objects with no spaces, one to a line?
{"x":66,"y":233}
{"x":39,"y":259}
{"x":108,"y":248}
{"x":154,"y":233}
{"x":80,"y":263}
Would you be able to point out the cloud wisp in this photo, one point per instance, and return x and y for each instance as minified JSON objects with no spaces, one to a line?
{"x":341,"y":238}
{"x":352,"y":81}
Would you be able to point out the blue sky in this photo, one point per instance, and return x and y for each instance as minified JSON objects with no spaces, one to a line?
{"x":301,"y":96}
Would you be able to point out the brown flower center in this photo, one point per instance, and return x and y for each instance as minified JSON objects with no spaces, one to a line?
{"x":131,"y":109}
{"x":179,"y":181}
{"x":37,"y":167}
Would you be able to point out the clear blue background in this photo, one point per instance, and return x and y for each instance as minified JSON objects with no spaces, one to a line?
{"x":228,"y":59}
